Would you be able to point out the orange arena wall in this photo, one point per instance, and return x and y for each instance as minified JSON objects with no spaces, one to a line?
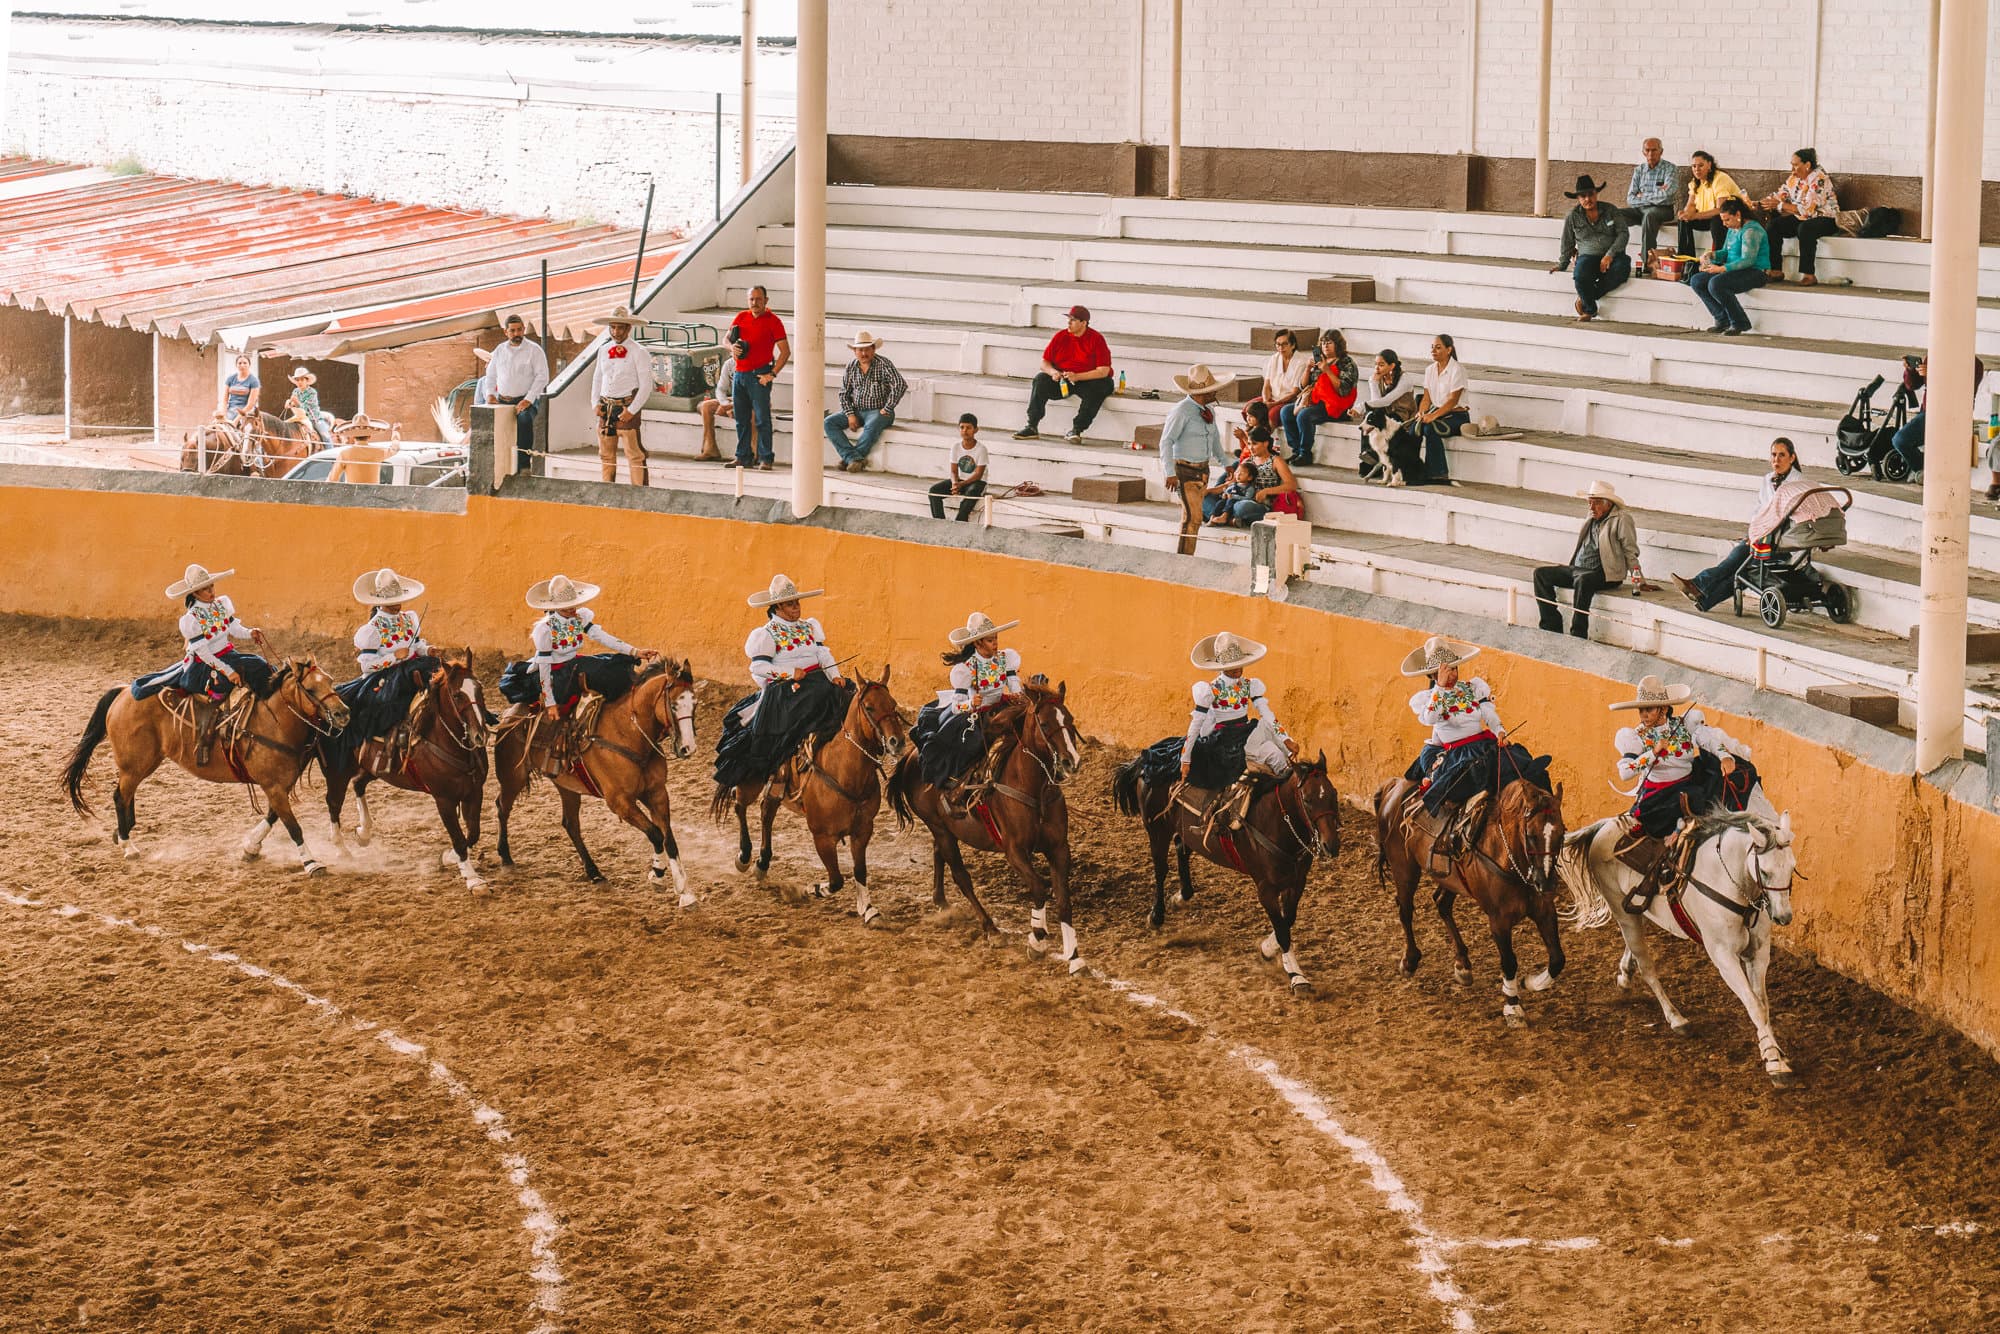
{"x":1901,"y":892}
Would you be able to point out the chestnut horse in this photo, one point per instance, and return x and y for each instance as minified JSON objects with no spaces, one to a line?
{"x":229,"y":449}
{"x":625,"y":763}
{"x":1023,"y":813}
{"x":446,"y":761}
{"x":1509,"y":870}
{"x":268,"y":749}
{"x":1287,"y":826}
{"x":840,"y":792}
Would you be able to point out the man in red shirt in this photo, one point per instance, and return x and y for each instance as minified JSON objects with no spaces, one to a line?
{"x":1075,"y":364}
{"x":761,"y":352}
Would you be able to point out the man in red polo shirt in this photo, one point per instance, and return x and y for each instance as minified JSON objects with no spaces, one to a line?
{"x":762,"y":350}
{"x":1075,"y":364}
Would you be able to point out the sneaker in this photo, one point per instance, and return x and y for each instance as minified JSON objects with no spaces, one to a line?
{"x":1027,"y":433}
{"x":1718,"y":328}
{"x":1073,"y":438}
{"x":1735,"y":330}
{"x":763,"y":467}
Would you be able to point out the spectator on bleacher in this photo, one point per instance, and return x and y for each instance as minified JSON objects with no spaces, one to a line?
{"x":1712,"y":586}
{"x":1737,"y":267}
{"x":1607,"y":549}
{"x":721,"y":402}
{"x":620,"y":383}
{"x":1650,"y":198}
{"x":869,"y":392}
{"x":1076,"y":363}
{"x":1387,"y":403}
{"x":1256,"y":414}
{"x":1909,"y":440}
{"x":1335,"y":382}
{"x":1190,"y":443}
{"x":1272,"y":487}
{"x":968,"y":472}
{"x":1593,"y":247}
{"x":1287,"y":372}
{"x":1708,"y":185}
{"x":1442,"y":411}
{"x":1805,"y":206}
{"x":517,"y":373}
{"x":761,"y":352}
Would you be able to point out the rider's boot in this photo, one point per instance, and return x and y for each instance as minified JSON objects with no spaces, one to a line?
{"x":207,"y":717}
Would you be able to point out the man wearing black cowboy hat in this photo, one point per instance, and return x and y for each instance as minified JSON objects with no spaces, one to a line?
{"x":1594,"y":237}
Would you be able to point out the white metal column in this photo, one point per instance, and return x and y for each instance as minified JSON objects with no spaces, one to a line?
{"x":1175,"y":32}
{"x":809,"y":265}
{"x":1961,"y":117}
{"x":69,"y":381}
{"x":1546,"y":59}
{"x":1930,"y":122}
{"x":1471,"y":76}
{"x":747,"y":120}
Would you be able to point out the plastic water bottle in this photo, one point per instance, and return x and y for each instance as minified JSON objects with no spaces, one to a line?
{"x":1064,"y":386}
{"x":1121,"y":382}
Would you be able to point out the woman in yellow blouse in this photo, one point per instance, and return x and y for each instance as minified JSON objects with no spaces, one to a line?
{"x":1708,"y":186}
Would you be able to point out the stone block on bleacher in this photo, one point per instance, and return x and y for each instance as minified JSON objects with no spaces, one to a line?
{"x":1108,"y":490}
{"x":1867,"y":704}
{"x":1982,"y":643}
{"x":1341,"y":291}
{"x":1241,"y":388}
{"x":1264,"y":337}
{"x":1147,"y":436}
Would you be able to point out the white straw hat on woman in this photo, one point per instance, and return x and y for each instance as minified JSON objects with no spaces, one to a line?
{"x":977,"y":627}
{"x":1656,"y":694}
{"x":384,"y":587}
{"x":782,"y":589}
{"x":194,"y":579}
{"x":1221,"y":651}
{"x":1437,"y":652}
{"x":560,"y":593}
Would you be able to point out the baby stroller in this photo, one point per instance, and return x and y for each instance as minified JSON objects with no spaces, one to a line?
{"x":1780,"y":573}
{"x":1862,"y":439}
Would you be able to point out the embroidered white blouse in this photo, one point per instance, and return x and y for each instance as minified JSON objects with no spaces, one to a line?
{"x":1225,"y":699}
{"x":377,"y":641}
{"x":209,"y":628}
{"x":558,"y":636}
{"x":1454,"y":713}
{"x":980,"y":682}
{"x":788,"y":646}
{"x":1665,"y":754}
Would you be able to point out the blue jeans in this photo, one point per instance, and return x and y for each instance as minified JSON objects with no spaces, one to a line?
{"x":752,"y":399}
{"x":1301,"y":427}
{"x":1593,"y":282}
{"x":1718,"y":292}
{"x":1909,"y":442}
{"x":1717,"y":581}
{"x":1437,"y":467}
{"x":873,"y":423}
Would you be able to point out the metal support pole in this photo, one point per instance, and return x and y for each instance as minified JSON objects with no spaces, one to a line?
{"x":1930,"y":125}
{"x":1471,"y":76}
{"x":1961,"y":125}
{"x":69,"y":380}
{"x":1811,"y":135}
{"x":1174,"y":109}
{"x":1542,"y":109}
{"x":749,"y":112}
{"x":718,"y":157}
{"x":809,"y":264}
{"x":639,"y":260}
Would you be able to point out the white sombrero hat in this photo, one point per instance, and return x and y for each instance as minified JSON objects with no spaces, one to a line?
{"x":1655,"y":693}
{"x":618,"y":315}
{"x":301,"y":373}
{"x":1221,"y":651}
{"x":560,"y":592}
{"x":380,"y":588}
{"x":977,"y":626}
{"x":1199,"y":380}
{"x":194,"y":579}
{"x":782,"y":589}
{"x":1437,"y":652}
{"x":483,"y":354}
{"x":865,"y":339}
{"x":1601,"y":490}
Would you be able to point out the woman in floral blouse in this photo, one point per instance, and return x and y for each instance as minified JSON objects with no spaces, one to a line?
{"x":1804,"y":206}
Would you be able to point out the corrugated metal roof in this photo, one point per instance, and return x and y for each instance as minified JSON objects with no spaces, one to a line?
{"x":192,"y":259}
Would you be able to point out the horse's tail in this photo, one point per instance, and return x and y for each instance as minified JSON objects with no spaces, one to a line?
{"x":86,"y":746}
{"x":722,"y":802}
{"x":1585,"y":909}
{"x":900,"y":784}
{"x":1125,"y":786}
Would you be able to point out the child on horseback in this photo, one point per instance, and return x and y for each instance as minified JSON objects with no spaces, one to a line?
{"x":395,"y":661}
{"x":1461,"y":760}
{"x":212,"y":666}
{"x":1682,"y":765}
{"x":1233,"y":737}
{"x":960,"y":752}
{"x":800,"y":692}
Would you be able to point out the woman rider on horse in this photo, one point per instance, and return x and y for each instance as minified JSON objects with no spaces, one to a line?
{"x":557,"y":675}
{"x":1462,"y":757}
{"x":212,"y":666}
{"x":951,"y":731}
{"x":395,"y":661}
{"x":800,"y":692}
{"x":1233,"y":737}
{"x":1675,"y":760}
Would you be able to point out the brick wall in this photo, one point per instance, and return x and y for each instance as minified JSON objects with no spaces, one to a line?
{"x":190,"y":389}
{"x":31,"y":362}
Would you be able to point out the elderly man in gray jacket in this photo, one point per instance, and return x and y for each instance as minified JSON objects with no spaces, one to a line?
{"x":1607,"y":549}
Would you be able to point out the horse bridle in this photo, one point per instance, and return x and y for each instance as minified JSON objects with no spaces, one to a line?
{"x":1310,"y":841}
{"x":882,"y":760}
{"x":670,"y":722}
{"x":1052,"y":768}
{"x":465,"y":741}
{"x":323,"y":724}
{"x":1753,"y":905}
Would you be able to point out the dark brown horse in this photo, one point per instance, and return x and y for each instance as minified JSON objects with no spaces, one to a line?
{"x":268,"y":749}
{"x":267,"y":448}
{"x":625,"y":764}
{"x":446,"y":761}
{"x":840,"y":792}
{"x":1509,"y":870}
{"x":1021,"y":815}
{"x":1288,"y":825}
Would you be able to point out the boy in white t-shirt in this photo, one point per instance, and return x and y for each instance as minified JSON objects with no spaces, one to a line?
{"x":968,"y":472}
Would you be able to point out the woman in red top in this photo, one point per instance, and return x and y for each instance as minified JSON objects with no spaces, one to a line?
{"x":1333,"y":391}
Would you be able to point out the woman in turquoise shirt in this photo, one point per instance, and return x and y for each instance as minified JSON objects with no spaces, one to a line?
{"x":1737,"y":267}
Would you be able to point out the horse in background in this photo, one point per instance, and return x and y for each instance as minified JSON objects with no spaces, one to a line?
{"x":268,"y":447}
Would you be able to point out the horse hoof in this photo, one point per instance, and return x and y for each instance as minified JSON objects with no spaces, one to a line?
{"x":1300,"y":985}
{"x":363,"y":837}
{"x":1408,"y":966}
{"x":742,"y":865}
{"x":820,"y":890}
{"x":1464,"y":975}
{"x":1038,"y":945}
{"x":1183,"y":897}
{"x":1782,"y":1077}
{"x":1268,"y":947}
{"x":1684,"y":1029}
{"x":1515,"y":1016}
{"x":687,"y":899}
{"x":872,"y":916}
{"x":1541,"y":981}
{"x":252,"y":855}
{"x":476,"y":887}
{"x":593,"y":877}
{"x":1157,"y":922}
{"x":448,"y":859}
{"x":129,"y":852}
{"x":312,"y":869}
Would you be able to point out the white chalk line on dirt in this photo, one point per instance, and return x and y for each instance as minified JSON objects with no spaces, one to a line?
{"x":539,"y":1223}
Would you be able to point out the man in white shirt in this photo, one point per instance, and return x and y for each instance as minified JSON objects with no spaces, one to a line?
{"x":518,"y":373}
{"x":620,"y":386}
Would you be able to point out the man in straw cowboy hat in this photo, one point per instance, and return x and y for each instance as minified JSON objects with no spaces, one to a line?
{"x":800,"y":693}
{"x":1679,"y":764}
{"x":620,"y":386}
{"x":303,"y":406}
{"x":1459,"y":765}
{"x":1190,"y":443}
{"x":1594,"y":236}
{"x":394,"y":659}
{"x":1233,"y":738}
{"x":1607,"y":549}
{"x":212,"y":666}
{"x":869,"y":392}
{"x":951,"y":733}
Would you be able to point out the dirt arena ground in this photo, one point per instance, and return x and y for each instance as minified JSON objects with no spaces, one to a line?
{"x":370,"y":1101}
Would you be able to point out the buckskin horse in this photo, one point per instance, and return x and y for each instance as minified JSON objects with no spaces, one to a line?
{"x":1508,"y":868}
{"x":265,"y":743}
{"x":1288,"y":825}
{"x":446,"y":760}
{"x":1022,"y":814}
{"x":839,"y":792}
{"x":623,"y":761}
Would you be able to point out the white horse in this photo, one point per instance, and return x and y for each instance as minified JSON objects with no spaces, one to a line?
{"x":1740,"y":884}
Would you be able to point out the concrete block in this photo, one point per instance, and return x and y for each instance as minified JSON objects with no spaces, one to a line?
{"x":1864,"y":703}
{"x":1106,"y":490}
{"x":1264,"y":338}
{"x":1241,"y":389}
{"x":1147,"y":436}
{"x":1982,"y":643}
{"x":1341,"y":291}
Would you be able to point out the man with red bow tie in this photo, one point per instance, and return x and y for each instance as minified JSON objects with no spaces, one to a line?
{"x":621,"y":384}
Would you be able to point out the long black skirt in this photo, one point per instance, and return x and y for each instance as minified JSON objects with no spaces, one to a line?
{"x":787,"y":713}
{"x":378,"y":703}
{"x":1457,"y":772}
{"x":952,"y":743}
{"x":1738,"y":785}
{"x":196,"y":677}
{"x":609,"y":674}
{"x":1216,"y":761}
{"x":1659,"y":811}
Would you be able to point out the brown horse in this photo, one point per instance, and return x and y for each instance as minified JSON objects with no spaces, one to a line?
{"x":269,"y":749}
{"x":446,"y":761}
{"x":1288,"y":825}
{"x":840,"y":792}
{"x":625,"y":764}
{"x":223,"y":448}
{"x":1509,"y":870}
{"x":1022,"y":814}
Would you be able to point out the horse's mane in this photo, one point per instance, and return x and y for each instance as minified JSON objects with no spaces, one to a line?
{"x":1717,"y":823}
